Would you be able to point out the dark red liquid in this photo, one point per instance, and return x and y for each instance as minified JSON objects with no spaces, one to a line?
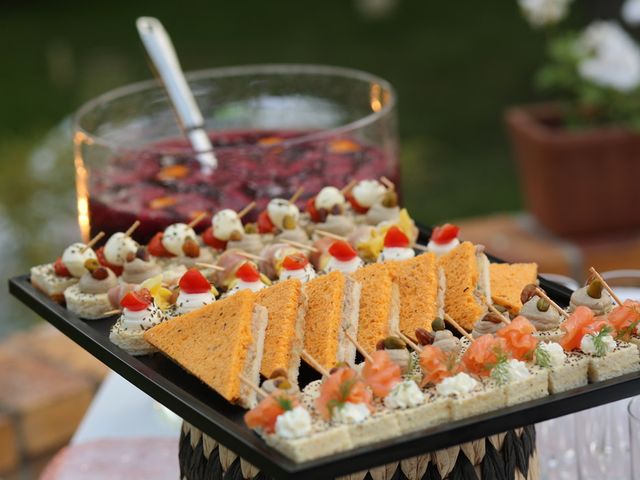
{"x":164,"y":188}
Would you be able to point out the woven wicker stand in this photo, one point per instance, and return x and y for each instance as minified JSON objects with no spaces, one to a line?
{"x":506,"y":456}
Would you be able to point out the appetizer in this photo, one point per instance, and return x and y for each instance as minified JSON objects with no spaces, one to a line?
{"x":365,"y":194}
{"x":343,"y":258}
{"x":89,"y":297}
{"x":593,"y":297}
{"x":327,"y":212}
{"x":443,"y":239}
{"x":195,"y":292}
{"x":139,"y":314}
{"x":396,"y":246}
{"x":297,"y":266}
{"x":507,"y":282}
{"x":247,"y":277}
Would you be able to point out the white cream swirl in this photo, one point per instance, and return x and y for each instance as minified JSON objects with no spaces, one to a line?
{"x":351,"y":413}
{"x":303,"y":274}
{"x":442,"y":248}
{"x":555,"y":353}
{"x":174,"y":236}
{"x":118,"y":247}
{"x":293,"y":423}
{"x":225,"y":223}
{"x":74,"y":258}
{"x":243,"y":285}
{"x":405,"y":394}
{"x":459,"y":384}
{"x":517,"y":370}
{"x":141,"y":319}
{"x":396,"y":253}
{"x":188,"y":302}
{"x":349,"y":266}
{"x":587,"y":345}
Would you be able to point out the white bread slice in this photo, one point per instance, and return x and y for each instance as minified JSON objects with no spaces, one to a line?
{"x":623,"y":359}
{"x":253,"y":360}
{"x":380,"y":426}
{"x":436,"y":410}
{"x":319,"y":443}
{"x":90,"y":306}
{"x":350,"y":317}
{"x":536,"y":386}
{"x":131,"y":341}
{"x":572,"y":374}
{"x":44,"y":278}
{"x":486,"y":397}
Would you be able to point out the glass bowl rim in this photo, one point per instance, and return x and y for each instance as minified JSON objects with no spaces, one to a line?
{"x":242,"y":70}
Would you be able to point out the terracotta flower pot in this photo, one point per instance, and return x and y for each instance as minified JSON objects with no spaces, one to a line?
{"x":576,"y":182}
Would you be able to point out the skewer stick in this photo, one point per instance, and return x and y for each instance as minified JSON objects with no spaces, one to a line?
{"x":457,"y":326}
{"x":408,"y":341}
{"x":347,"y":188}
{"x":132,"y":228}
{"x":493,"y":309}
{"x":359,"y":347}
{"x":251,"y":256}
{"x":330,"y":235}
{"x":111,"y":312}
{"x":197,"y":220}
{"x":92,"y":242}
{"x":246,"y":209}
{"x":253,"y":386}
{"x":387,"y":183}
{"x":422,"y":248}
{"x":314,"y":363}
{"x":543,"y":295}
{"x":210,"y":265}
{"x":595,"y":273}
{"x":303,"y":246}
{"x":294,"y":198}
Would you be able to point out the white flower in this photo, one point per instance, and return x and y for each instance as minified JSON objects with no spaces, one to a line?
{"x":631,"y":12}
{"x":612,"y":58}
{"x":542,"y":13}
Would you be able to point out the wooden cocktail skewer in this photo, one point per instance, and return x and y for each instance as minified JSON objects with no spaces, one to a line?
{"x":303,"y":246}
{"x":387,"y":183}
{"x":251,"y":256}
{"x":493,"y":309}
{"x":132,"y":228}
{"x":422,"y":248}
{"x":347,"y":188}
{"x":111,"y":312}
{"x":359,"y":347}
{"x":210,"y":265}
{"x":544,"y":296}
{"x":246,"y":209}
{"x":197,"y":220}
{"x":294,"y":198}
{"x":457,"y":326}
{"x":92,"y":242}
{"x":595,"y":273}
{"x":408,"y":341}
{"x":253,"y":386}
{"x":314,"y":363}
{"x":330,"y":235}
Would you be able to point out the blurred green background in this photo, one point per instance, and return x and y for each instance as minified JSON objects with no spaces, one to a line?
{"x":455,"y":65}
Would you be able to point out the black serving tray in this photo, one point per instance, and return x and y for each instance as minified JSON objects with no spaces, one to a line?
{"x":196,"y":403}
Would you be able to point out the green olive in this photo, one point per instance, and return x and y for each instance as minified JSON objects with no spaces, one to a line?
{"x":394,"y":343}
{"x":542,"y":305}
{"x":91,"y":264}
{"x":594,"y":290}
{"x":438,"y":324}
{"x":390,"y":199}
{"x":236,"y":236}
{"x":250,"y":228}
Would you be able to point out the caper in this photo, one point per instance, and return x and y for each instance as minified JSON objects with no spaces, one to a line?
{"x":289,"y":222}
{"x":390,"y":199}
{"x":91,"y":264}
{"x":542,"y":305}
{"x":594,"y":290}
{"x":424,"y":337}
{"x":438,"y":324}
{"x":394,"y":343}
{"x":528,"y":292}
{"x":278,"y":372}
{"x":250,"y":228}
